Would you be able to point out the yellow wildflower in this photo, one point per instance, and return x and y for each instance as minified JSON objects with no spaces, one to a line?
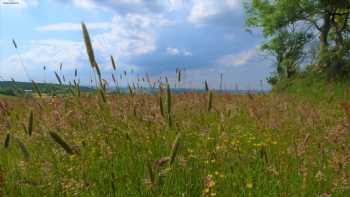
{"x":249,"y":185}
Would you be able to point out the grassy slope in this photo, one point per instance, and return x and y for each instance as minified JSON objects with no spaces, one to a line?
{"x":315,"y":87}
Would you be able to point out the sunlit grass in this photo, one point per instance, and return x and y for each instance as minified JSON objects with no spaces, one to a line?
{"x":246,"y":145}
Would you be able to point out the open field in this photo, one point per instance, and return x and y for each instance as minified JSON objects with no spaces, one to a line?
{"x":130,"y":145}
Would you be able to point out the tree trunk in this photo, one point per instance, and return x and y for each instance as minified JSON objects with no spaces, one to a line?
{"x":324,"y":61}
{"x":325,"y":31}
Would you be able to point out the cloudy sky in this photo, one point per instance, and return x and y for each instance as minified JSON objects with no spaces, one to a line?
{"x":203,"y":37}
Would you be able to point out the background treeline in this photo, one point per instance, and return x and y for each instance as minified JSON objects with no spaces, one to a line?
{"x":12,"y":88}
{"x":304,"y":36}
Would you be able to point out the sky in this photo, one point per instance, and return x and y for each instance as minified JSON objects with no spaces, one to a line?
{"x":202,"y":37}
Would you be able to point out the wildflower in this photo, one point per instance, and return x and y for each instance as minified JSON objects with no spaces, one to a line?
{"x":72,"y":157}
{"x":209,"y":182}
{"x":249,"y":185}
{"x":319,"y":176}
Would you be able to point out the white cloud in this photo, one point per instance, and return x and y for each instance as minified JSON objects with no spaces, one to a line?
{"x":175,"y":4}
{"x":123,"y":6}
{"x":47,"y":53}
{"x":19,"y":3}
{"x":125,"y":37}
{"x":72,"y":26}
{"x":237,"y":59}
{"x":130,"y":35}
{"x":172,"y":51}
{"x":203,"y":10}
{"x":85,"y":3}
{"x":177,"y":52}
{"x":187,"y":53}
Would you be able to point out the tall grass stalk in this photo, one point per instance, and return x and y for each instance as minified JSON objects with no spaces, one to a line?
{"x":24,"y":150}
{"x":36,"y":88}
{"x":61,"y":142}
{"x":174,"y":149}
{"x":30,"y":123}
{"x":7,"y":140}
{"x":168,"y":91}
{"x":210,"y":100}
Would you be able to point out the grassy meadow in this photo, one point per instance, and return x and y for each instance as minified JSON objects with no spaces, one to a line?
{"x":245,"y":145}
{"x":173,"y":144}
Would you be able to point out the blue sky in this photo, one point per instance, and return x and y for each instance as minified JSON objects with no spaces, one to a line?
{"x":204,"y":37}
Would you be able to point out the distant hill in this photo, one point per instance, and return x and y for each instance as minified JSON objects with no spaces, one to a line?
{"x":18,"y":88}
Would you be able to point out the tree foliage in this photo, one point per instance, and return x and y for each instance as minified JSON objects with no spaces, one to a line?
{"x":290,"y":25}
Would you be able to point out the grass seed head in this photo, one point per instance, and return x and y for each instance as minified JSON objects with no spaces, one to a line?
{"x":7,"y":140}
{"x":58,"y":78}
{"x":24,"y":150}
{"x":113,"y":63}
{"x":36,"y":88}
{"x":61,"y":142}
{"x":30,"y":123}
{"x":210,"y":100}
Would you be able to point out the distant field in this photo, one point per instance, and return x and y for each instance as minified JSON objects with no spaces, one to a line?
{"x":192,"y":144}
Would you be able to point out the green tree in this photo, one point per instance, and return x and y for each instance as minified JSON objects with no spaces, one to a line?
{"x":324,"y":20}
{"x":288,"y":49}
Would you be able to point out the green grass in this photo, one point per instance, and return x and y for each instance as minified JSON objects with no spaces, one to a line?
{"x":316,"y":87}
{"x":258,"y":145}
